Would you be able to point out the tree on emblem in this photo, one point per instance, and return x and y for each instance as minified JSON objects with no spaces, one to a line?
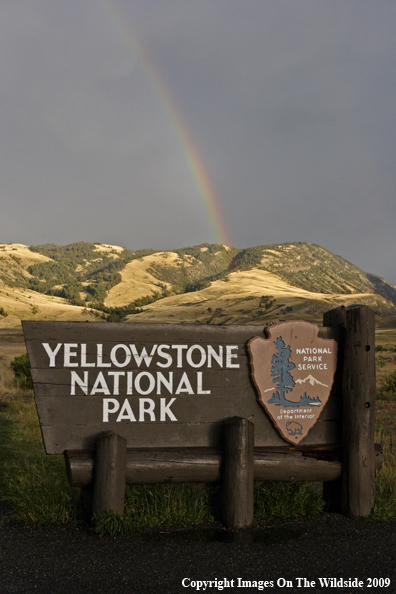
{"x":280,"y":371}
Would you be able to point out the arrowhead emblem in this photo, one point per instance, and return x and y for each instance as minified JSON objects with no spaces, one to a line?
{"x":293,"y":371}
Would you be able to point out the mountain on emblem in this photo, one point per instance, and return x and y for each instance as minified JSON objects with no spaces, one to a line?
{"x":311,"y":379}
{"x":293,"y":371}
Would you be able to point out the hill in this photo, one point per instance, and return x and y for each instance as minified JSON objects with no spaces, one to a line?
{"x":208,"y":283}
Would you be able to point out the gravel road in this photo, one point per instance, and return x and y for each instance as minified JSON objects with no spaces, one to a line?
{"x":60,"y":561}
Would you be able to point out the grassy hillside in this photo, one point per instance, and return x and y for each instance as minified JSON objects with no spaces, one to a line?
{"x":315,"y":269}
{"x":253,"y":297}
{"x":81,"y":272}
{"x":208,"y":283}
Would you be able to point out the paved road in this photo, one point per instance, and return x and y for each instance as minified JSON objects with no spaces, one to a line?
{"x":60,"y":561}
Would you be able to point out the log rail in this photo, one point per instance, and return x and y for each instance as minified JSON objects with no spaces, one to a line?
{"x":204,"y":465}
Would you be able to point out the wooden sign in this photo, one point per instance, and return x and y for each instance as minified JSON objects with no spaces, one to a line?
{"x":147,"y":403}
{"x":156,"y":385}
{"x":293,"y":371}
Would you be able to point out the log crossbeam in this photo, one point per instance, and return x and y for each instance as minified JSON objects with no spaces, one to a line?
{"x":203,"y":465}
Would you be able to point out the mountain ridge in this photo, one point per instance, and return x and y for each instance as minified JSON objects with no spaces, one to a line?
{"x":207,"y":283}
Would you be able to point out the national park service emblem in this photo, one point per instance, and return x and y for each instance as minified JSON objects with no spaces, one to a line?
{"x":293,"y":371}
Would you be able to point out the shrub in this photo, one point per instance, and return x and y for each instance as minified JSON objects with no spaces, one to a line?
{"x":385,"y":348}
{"x":267,"y":301}
{"x":21,"y":368}
{"x":247,"y":258}
{"x":387,"y":390}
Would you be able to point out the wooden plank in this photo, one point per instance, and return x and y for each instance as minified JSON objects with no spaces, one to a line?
{"x":92,"y":334}
{"x":89,"y":410}
{"x":324,"y":434}
{"x":335,"y":321}
{"x":35,"y":330}
{"x":49,"y":330}
{"x":71,"y":419}
{"x":77,"y":333}
{"x":238,"y":473}
{"x":358,"y":480}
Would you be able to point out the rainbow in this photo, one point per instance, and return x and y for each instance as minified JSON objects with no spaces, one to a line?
{"x":192,"y":156}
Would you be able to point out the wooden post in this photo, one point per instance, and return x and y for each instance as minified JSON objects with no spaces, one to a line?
{"x":109,"y":479}
{"x":238,"y":473}
{"x":358,"y":477}
{"x":336,"y":319}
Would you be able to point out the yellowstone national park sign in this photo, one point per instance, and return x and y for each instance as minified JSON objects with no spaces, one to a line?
{"x":166,"y":385}
{"x":293,"y":371}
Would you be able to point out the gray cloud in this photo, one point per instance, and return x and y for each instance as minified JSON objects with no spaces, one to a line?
{"x":290,"y":104}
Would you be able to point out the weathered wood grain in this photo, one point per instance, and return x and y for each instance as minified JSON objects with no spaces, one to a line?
{"x":237,"y":473}
{"x":203,"y":465}
{"x":335,"y":321}
{"x":62,"y":411}
{"x":325,"y":434}
{"x":359,"y":390}
{"x":74,"y":422}
{"x":109,"y":479}
{"x":189,"y":447}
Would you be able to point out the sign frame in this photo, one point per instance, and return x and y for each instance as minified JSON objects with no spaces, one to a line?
{"x":73,"y":421}
{"x":261,"y":454}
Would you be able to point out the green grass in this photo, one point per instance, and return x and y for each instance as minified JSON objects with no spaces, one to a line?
{"x":283,"y":500}
{"x":385,"y":505}
{"x":155,"y":506}
{"x":35,"y":486}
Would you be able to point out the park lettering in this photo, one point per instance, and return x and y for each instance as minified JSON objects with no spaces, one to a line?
{"x":96,"y":375}
{"x":313,"y":358}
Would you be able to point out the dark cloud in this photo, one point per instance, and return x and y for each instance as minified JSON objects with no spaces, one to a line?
{"x":290,"y":104}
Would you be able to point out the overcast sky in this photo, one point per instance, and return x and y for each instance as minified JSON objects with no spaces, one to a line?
{"x":114,"y":112}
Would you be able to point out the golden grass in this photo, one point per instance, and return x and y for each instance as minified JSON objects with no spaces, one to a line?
{"x":23,"y":304}
{"x":24,"y":413}
{"x":104,"y":247}
{"x":20,"y":405}
{"x":137,"y":281}
{"x":236,"y":301}
{"x":21,"y":251}
{"x":8,"y":388}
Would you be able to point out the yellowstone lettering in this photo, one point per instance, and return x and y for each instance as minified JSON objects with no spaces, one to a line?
{"x":139,"y":372}
{"x":165,"y":355}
